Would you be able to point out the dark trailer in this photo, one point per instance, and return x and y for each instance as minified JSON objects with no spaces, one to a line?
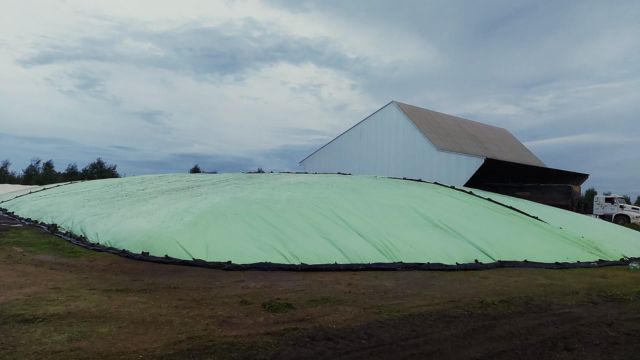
{"x":555,"y":187}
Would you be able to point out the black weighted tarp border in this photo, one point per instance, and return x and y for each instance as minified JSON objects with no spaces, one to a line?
{"x":267,"y":266}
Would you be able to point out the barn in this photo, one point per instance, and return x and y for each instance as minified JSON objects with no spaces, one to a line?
{"x":406,"y":141}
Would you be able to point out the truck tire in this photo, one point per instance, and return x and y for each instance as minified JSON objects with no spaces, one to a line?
{"x":621,"y":220}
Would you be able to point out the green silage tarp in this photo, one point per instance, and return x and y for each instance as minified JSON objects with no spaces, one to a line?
{"x":319,"y":219}
{"x":17,"y":191}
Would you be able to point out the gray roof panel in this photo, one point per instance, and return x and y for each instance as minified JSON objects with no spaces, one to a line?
{"x":455,"y":134}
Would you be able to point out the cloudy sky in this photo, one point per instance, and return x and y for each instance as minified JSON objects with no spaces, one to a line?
{"x":156,"y":86}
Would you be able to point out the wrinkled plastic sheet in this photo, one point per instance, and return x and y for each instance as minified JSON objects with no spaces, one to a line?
{"x":304,"y":221}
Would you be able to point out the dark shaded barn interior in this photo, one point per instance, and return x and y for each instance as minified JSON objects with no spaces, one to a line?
{"x":559,"y":188}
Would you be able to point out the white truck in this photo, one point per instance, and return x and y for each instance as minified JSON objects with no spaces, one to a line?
{"x":614,"y":208}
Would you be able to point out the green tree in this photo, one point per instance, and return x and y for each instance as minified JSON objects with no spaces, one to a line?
{"x":586,"y":201}
{"x":195,"y":169}
{"x":71,"y":173}
{"x":48,"y":174}
{"x":6,"y":175}
{"x":637,"y":203}
{"x":99,"y":170}
{"x":627,"y":199}
{"x":31,"y":174}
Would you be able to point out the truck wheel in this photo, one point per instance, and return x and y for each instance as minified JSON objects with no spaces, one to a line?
{"x":621,"y":220}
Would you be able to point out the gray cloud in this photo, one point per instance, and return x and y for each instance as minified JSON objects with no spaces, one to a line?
{"x":83,"y":83}
{"x":121,"y":147}
{"x":557,"y":74}
{"x":180,"y":163}
{"x":492,"y":45}
{"x":21,"y":149}
{"x":228,"y":49}
{"x":153,"y":117}
{"x":283,"y":158}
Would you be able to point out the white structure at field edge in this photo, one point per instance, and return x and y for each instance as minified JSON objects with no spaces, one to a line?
{"x":398,"y":141}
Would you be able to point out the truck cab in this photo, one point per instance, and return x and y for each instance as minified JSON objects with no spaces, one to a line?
{"x":614,"y":208}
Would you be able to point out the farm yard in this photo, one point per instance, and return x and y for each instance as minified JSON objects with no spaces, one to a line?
{"x":60,"y":301}
{"x":319,"y":180}
{"x":286,"y":220}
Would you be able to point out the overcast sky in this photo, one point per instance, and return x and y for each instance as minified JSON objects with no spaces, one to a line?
{"x":156,"y":86}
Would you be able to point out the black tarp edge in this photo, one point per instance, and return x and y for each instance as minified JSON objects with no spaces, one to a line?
{"x":267,"y":266}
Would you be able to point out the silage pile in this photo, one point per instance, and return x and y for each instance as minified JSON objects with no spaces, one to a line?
{"x":11,"y":188}
{"x":319,"y":219}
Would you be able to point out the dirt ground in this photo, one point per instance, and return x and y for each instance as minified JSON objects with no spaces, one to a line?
{"x":59,"y":301}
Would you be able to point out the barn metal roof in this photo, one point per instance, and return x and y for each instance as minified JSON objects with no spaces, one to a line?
{"x":455,"y":134}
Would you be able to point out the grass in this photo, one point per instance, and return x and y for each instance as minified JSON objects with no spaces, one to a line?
{"x":35,"y":241}
{"x":97,"y":305}
{"x":277,"y":306}
{"x":324,"y":301}
{"x":245,"y":302}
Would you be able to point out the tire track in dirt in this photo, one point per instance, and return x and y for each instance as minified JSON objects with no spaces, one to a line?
{"x":587,"y":332}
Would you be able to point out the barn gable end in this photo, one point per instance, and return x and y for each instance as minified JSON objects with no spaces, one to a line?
{"x":388,"y":143}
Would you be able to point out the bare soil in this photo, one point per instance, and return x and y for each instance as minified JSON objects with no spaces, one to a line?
{"x":59,"y":301}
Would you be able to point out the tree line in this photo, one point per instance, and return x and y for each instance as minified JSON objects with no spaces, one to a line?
{"x":43,"y":173}
{"x":197,"y":170}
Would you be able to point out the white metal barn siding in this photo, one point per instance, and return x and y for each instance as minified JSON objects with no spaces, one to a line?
{"x":388,"y":143}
